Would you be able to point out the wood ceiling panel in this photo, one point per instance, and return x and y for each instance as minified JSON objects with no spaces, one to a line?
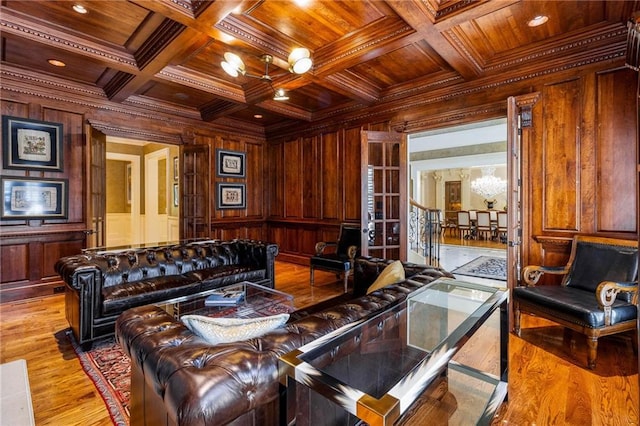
{"x":506,"y":29}
{"x":33,"y":56}
{"x":113,"y":21}
{"x":313,"y":97}
{"x":207,"y":60}
{"x":319,"y":22}
{"x":369,"y":55}
{"x":176,"y":93}
{"x":391,"y":68}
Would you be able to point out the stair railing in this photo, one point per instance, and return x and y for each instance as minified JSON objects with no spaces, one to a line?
{"x":425,"y":228}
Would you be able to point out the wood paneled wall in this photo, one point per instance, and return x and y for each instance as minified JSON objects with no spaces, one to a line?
{"x":579,"y":167}
{"x":315,"y":185}
{"x":30,"y":247}
{"x":248,"y":222}
{"x":580,"y":163}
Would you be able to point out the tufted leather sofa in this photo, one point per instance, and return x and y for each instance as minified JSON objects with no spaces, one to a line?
{"x":100,"y":286}
{"x":178,"y":379}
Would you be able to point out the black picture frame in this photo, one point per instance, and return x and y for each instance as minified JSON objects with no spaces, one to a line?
{"x":33,"y":198}
{"x":231,"y":196}
{"x":175,"y":168}
{"x":230,"y":163}
{"x":31,"y":144}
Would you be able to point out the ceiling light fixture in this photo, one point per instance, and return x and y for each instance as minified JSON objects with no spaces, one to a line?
{"x":488,"y":185}
{"x":299,"y":63}
{"x":300,"y":60}
{"x":56,"y":63}
{"x":280,"y":95}
{"x":538,"y":20}
{"x":80,"y":8}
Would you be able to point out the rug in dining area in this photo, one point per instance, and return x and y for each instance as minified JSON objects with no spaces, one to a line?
{"x":494,"y":268}
{"x":109,"y":369}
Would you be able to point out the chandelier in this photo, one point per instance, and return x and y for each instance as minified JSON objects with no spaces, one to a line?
{"x":299,"y":63}
{"x":488,"y":185}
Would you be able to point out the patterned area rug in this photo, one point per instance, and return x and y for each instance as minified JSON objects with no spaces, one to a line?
{"x":494,"y":268}
{"x":109,"y":368}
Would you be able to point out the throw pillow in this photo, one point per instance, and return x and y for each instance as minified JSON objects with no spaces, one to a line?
{"x":227,"y":330}
{"x":392,"y":273}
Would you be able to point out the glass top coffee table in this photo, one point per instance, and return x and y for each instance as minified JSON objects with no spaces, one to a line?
{"x":378,"y":370}
{"x":257,"y":301}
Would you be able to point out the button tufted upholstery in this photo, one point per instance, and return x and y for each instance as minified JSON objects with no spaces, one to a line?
{"x":177,"y":378}
{"x":100,"y":286}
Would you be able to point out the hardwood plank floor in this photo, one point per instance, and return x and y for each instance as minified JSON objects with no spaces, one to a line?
{"x":548,"y":385}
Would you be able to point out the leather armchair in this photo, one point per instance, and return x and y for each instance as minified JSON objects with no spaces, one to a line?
{"x":598,"y":294}
{"x":340,"y":257}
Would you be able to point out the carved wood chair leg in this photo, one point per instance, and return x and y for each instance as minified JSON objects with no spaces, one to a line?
{"x":311,"y":275}
{"x":346,"y":280}
{"x":592,"y":352}
{"x":516,"y":320}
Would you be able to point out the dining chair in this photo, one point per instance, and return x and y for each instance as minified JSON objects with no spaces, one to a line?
{"x":493,"y":214}
{"x":483,"y":225}
{"x":464,"y":224}
{"x":501,"y":229}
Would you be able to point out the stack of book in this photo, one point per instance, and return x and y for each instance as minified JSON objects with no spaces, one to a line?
{"x":225,"y":298}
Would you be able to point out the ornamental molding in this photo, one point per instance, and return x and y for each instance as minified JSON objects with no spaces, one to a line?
{"x":199,"y":81}
{"x":11,"y":23}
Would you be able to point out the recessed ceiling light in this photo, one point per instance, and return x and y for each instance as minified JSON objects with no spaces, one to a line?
{"x":80,"y":8}
{"x":257,"y":116}
{"x":538,"y":20}
{"x":56,"y":63}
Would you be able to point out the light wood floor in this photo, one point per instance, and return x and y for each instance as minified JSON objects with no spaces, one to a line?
{"x":548,"y":385}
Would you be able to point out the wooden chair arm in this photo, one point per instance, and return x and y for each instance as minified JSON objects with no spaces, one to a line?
{"x":320,"y":246}
{"x":352,"y":251}
{"x":608,"y":290}
{"x":531,"y":274}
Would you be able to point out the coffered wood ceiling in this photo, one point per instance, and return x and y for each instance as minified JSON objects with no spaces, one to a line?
{"x":166,"y":54}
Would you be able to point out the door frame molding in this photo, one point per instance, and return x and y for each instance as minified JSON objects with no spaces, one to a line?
{"x":135,"y":191}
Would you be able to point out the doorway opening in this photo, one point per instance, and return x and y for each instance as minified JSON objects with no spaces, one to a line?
{"x":442,"y":165}
{"x":142,"y":189}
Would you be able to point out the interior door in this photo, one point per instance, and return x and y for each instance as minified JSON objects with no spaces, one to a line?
{"x":96,"y":195}
{"x":519,"y":122}
{"x":157,"y":196}
{"x":194,"y":205}
{"x":384,"y":194}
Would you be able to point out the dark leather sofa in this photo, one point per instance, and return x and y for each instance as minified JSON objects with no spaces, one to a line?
{"x":100,"y":286}
{"x":179,"y":379}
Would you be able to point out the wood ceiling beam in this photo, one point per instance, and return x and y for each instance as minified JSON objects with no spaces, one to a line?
{"x":203,"y":19}
{"x":417,"y":15}
{"x":203,"y":82}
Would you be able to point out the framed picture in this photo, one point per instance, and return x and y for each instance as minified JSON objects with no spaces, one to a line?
{"x":230,"y":163}
{"x":231,"y":195}
{"x":31,"y":144}
{"x":127,"y":181}
{"x":176,"y":194}
{"x":34,"y":198}
{"x":175,"y":168}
